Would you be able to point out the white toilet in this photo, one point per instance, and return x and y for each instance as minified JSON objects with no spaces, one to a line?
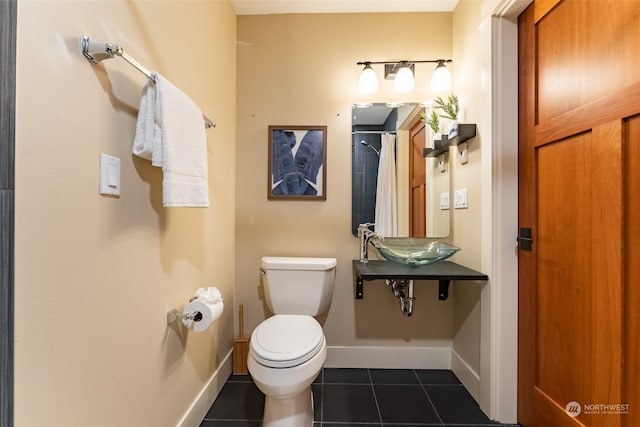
{"x":287,"y":350}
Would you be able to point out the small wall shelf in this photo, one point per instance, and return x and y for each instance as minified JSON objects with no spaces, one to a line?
{"x":444,"y":272}
{"x":466,"y":131}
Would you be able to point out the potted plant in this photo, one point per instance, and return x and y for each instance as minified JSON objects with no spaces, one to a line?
{"x":450,"y":110}
{"x":433,"y":121}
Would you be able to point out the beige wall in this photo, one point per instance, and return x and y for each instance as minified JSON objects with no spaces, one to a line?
{"x":438,"y":182}
{"x":95,"y":275}
{"x":485,"y":313}
{"x":468,"y":83}
{"x":301,"y":70}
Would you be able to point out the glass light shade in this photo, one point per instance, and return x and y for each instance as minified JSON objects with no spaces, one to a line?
{"x":441,"y":79}
{"x":404,"y":81}
{"x":368,"y":82}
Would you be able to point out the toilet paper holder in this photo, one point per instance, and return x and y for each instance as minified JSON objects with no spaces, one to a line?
{"x":203,"y":309}
{"x":174,"y":315}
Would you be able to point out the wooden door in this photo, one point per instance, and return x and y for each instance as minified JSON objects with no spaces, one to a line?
{"x":579,"y":185}
{"x":631,"y":270}
{"x":417,"y":181}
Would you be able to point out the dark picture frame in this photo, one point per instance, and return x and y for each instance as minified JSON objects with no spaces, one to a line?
{"x":297,"y":163}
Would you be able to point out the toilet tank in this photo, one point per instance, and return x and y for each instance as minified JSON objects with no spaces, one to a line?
{"x":296,"y":285}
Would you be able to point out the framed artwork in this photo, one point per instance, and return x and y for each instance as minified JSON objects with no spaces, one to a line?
{"x":297,"y":163}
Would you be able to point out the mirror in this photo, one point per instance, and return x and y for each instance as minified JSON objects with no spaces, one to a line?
{"x":422,"y":183}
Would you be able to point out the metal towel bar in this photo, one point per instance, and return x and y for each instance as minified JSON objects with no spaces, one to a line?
{"x":96,"y":51}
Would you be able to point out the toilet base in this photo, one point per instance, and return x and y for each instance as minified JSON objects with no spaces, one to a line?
{"x":294,"y":411}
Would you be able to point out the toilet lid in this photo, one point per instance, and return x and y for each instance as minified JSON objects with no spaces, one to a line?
{"x":286,"y":340}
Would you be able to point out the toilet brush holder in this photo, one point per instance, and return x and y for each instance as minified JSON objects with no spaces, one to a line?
{"x":240,"y":347}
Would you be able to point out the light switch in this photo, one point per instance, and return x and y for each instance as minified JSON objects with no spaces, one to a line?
{"x":444,"y":201}
{"x":109,"y":175}
{"x":460,"y":199}
{"x":113,"y":175}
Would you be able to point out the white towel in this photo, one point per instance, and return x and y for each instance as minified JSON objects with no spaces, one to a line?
{"x":147,"y":142}
{"x":170,"y":133}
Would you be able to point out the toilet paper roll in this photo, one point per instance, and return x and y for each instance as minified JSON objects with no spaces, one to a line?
{"x":211,"y":294}
{"x":209,"y":313}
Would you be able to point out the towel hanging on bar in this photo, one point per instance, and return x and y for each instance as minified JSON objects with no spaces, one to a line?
{"x":167,"y":134}
{"x":96,"y":51}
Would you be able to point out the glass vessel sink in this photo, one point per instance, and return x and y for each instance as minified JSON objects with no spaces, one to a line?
{"x":413,"y":250}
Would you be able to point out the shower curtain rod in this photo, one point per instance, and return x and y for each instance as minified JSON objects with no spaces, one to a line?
{"x":379,"y":132}
{"x":96,"y":51}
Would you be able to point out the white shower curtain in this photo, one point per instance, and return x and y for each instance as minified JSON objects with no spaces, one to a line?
{"x":386,"y":217}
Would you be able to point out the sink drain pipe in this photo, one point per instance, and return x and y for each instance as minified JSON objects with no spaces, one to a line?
{"x":403,"y":290}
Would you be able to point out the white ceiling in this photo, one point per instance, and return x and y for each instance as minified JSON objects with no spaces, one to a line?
{"x":268,"y":7}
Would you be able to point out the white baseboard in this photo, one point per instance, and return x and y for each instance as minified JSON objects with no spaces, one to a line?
{"x":350,"y":357}
{"x":389,"y":357}
{"x":200,"y":406}
{"x":467,"y":376}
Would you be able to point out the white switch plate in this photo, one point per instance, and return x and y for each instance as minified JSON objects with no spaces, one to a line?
{"x":460,"y":199}
{"x":444,"y":201}
{"x":109,"y":175}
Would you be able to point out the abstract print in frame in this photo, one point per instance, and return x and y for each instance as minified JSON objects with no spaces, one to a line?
{"x":297,"y":162}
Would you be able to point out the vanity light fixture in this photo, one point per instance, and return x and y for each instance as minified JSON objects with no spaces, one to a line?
{"x":368,"y":83}
{"x":402,"y":72}
{"x":441,"y":79}
{"x":404,"y":81}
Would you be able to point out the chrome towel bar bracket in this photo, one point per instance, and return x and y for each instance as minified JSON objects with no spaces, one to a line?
{"x":96,"y":51}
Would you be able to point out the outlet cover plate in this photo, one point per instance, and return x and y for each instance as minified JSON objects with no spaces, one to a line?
{"x":460,"y":199}
{"x":444,"y":201}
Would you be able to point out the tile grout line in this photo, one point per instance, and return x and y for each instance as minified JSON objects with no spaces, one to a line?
{"x":375,"y":398}
{"x":430,"y":401}
{"x":378,"y":400}
{"x":322,"y":395}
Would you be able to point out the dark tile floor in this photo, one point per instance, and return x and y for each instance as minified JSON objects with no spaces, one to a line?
{"x":362,"y":398}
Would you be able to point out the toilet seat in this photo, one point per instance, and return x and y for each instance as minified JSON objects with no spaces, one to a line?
{"x":286,"y":340}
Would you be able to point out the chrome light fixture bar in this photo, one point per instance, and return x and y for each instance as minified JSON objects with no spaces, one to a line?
{"x":402,"y":72}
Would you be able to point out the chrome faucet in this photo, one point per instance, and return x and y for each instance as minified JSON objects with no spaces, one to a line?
{"x":366,"y":234}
